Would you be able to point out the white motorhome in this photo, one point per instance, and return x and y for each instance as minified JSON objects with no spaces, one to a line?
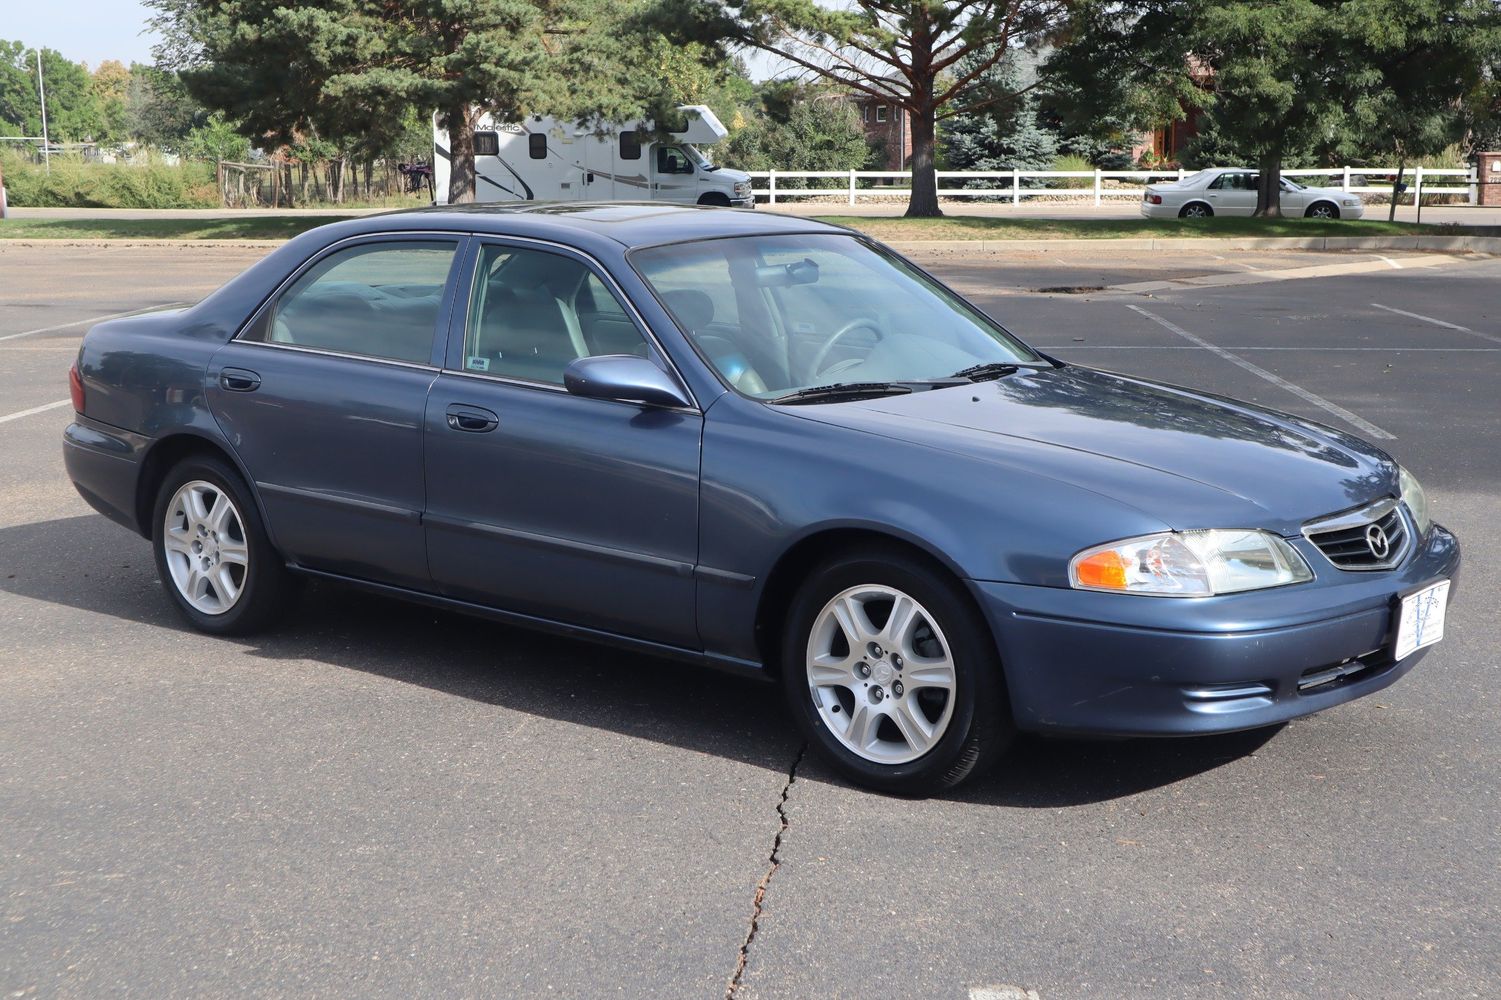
{"x":544,"y":159}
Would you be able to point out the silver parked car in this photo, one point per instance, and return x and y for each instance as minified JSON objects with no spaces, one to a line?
{"x":1232,"y":191}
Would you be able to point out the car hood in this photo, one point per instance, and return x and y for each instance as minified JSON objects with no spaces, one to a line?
{"x":1190,"y":459}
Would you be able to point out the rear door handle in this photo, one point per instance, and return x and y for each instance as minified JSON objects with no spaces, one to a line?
{"x":474,"y":419}
{"x":239,"y":380}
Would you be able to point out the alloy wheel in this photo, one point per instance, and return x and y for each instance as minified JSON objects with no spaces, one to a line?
{"x":203,"y":539}
{"x":881,"y":674}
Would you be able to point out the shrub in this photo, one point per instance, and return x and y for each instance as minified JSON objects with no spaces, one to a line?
{"x":72,"y":183}
{"x":1071,"y":162}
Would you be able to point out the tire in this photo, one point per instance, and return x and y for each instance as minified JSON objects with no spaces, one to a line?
{"x":714,"y":199}
{"x":1322,"y":210}
{"x":968,"y":725}
{"x":196,"y":541}
{"x":1196,"y":210}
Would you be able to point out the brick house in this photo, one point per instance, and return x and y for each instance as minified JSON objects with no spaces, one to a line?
{"x":887,"y":126}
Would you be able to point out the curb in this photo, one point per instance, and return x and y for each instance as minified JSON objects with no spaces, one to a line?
{"x":1482,"y":244}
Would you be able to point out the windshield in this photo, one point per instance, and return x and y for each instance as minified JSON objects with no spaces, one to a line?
{"x":697,"y":157}
{"x":775,"y":314}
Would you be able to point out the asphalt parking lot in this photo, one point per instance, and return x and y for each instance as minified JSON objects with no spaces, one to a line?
{"x":379,"y":800}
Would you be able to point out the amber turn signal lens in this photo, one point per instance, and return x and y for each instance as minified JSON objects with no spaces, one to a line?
{"x":75,"y":387}
{"x":1106,"y":570}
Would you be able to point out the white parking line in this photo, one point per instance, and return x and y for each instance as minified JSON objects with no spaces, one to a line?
{"x":1388,"y":260}
{"x":1352,"y":419}
{"x":34,"y":410}
{"x":1190,"y":347}
{"x":1437,"y":322}
{"x":84,"y":322}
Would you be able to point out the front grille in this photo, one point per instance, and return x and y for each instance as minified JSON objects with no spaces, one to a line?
{"x":1370,"y":538}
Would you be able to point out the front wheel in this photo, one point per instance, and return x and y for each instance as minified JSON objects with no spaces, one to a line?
{"x":892,"y":675}
{"x":212,"y":553}
{"x":1322,"y":210}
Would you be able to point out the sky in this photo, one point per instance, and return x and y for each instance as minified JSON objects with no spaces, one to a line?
{"x":92,"y":31}
{"x":88,"y":31}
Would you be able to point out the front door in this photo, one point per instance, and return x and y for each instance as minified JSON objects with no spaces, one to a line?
{"x":674,"y":178}
{"x":545,"y":503}
{"x":322,"y":398}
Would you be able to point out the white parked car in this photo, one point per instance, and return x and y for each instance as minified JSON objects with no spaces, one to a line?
{"x":1232,"y":191}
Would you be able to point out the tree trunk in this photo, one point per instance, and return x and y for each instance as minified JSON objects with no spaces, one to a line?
{"x":1391,"y":214}
{"x":923,"y":203}
{"x":461,"y":156}
{"x":1269,"y":187}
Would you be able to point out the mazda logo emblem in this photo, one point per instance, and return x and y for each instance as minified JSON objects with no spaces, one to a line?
{"x":1377,"y":542}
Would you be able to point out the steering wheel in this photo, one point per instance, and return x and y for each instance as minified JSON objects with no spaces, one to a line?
{"x":815,"y":369}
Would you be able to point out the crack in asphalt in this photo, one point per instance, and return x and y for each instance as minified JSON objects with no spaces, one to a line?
{"x":774,"y":862}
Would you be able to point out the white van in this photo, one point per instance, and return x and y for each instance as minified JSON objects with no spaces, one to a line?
{"x":544,"y":159}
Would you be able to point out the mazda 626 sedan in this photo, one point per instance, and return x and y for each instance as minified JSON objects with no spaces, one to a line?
{"x":761,"y":444}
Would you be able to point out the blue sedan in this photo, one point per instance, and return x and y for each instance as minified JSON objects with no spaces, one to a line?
{"x":764,"y":445}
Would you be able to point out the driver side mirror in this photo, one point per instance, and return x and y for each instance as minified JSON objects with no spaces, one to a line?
{"x":624,"y":378}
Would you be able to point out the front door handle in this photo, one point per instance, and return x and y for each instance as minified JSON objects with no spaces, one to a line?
{"x":474,"y":419}
{"x":239,"y":380}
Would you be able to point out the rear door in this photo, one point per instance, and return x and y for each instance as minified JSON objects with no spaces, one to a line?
{"x":322,"y":397}
{"x":1233,"y":194}
{"x":545,"y":503}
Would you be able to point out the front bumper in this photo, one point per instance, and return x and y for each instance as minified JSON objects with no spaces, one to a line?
{"x":1118,"y":665}
{"x":749,"y":201}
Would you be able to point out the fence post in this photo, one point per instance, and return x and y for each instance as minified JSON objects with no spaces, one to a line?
{"x":1474,"y":180}
{"x":1096,"y":187}
{"x":1417,"y":190}
{"x":1181,"y":173}
{"x":771,"y":188}
{"x":852,"y":185}
{"x":219,"y":180}
{"x":1346,"y":187}
{"x":1016,"y":186}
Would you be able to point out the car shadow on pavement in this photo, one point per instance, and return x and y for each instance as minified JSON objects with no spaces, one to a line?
{"x":653,"y":699}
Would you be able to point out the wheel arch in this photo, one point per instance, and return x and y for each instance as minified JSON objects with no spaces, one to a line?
{"x":793,"y":565}
{"x":167,"y":452}
{"x":716,"y":198}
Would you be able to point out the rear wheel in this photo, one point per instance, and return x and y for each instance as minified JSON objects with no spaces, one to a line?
{"x":892,"y":675}
{"x":1322,"y":210}
{"x":1196,"y":210}
{"x":212,"y":553}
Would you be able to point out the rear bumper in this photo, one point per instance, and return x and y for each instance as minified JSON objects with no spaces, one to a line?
{"x":104,"y":463}
{"x":1106,"y":664}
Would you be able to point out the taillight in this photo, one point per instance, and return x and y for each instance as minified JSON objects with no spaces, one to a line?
{"x":1157,"y":199}
{"x":75,"y":387}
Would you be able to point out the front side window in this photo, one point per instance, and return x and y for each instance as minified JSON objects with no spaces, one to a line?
{"x":671,"y":160}
{"x":809,"y":310}
{"x":377,"y":300}
{"x":532,"y":313}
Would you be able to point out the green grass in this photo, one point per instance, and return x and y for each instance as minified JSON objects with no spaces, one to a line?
{"x":954,"y":227}
{"x":254,"y":227}
{"x":974,"y":227}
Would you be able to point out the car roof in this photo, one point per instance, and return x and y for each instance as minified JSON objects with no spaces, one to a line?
{"x":631,"y":224}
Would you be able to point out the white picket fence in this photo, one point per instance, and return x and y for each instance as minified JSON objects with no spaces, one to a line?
{"x":1008,"y":183}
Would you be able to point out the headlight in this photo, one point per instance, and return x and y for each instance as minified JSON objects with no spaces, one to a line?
{"x":1415,"y":499}
{"x":742,"y":187}
{"x":1351,"y":202}
{"x":1190,"y":564}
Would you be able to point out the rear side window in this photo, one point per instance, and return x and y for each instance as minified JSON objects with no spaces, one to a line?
{"x":536,"y":145}
{"x":630,"y":146}
{"x":377,"y":300}
{"x":487,"y":144}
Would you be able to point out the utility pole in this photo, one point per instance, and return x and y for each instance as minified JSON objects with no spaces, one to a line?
{"x":42,"y":91}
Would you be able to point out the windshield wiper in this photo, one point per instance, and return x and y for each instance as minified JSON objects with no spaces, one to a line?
{"x":987,"y":371}
{"x":842,"y":391}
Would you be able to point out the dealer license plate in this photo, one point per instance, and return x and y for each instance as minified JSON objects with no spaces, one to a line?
{"x":1422,"y":619}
